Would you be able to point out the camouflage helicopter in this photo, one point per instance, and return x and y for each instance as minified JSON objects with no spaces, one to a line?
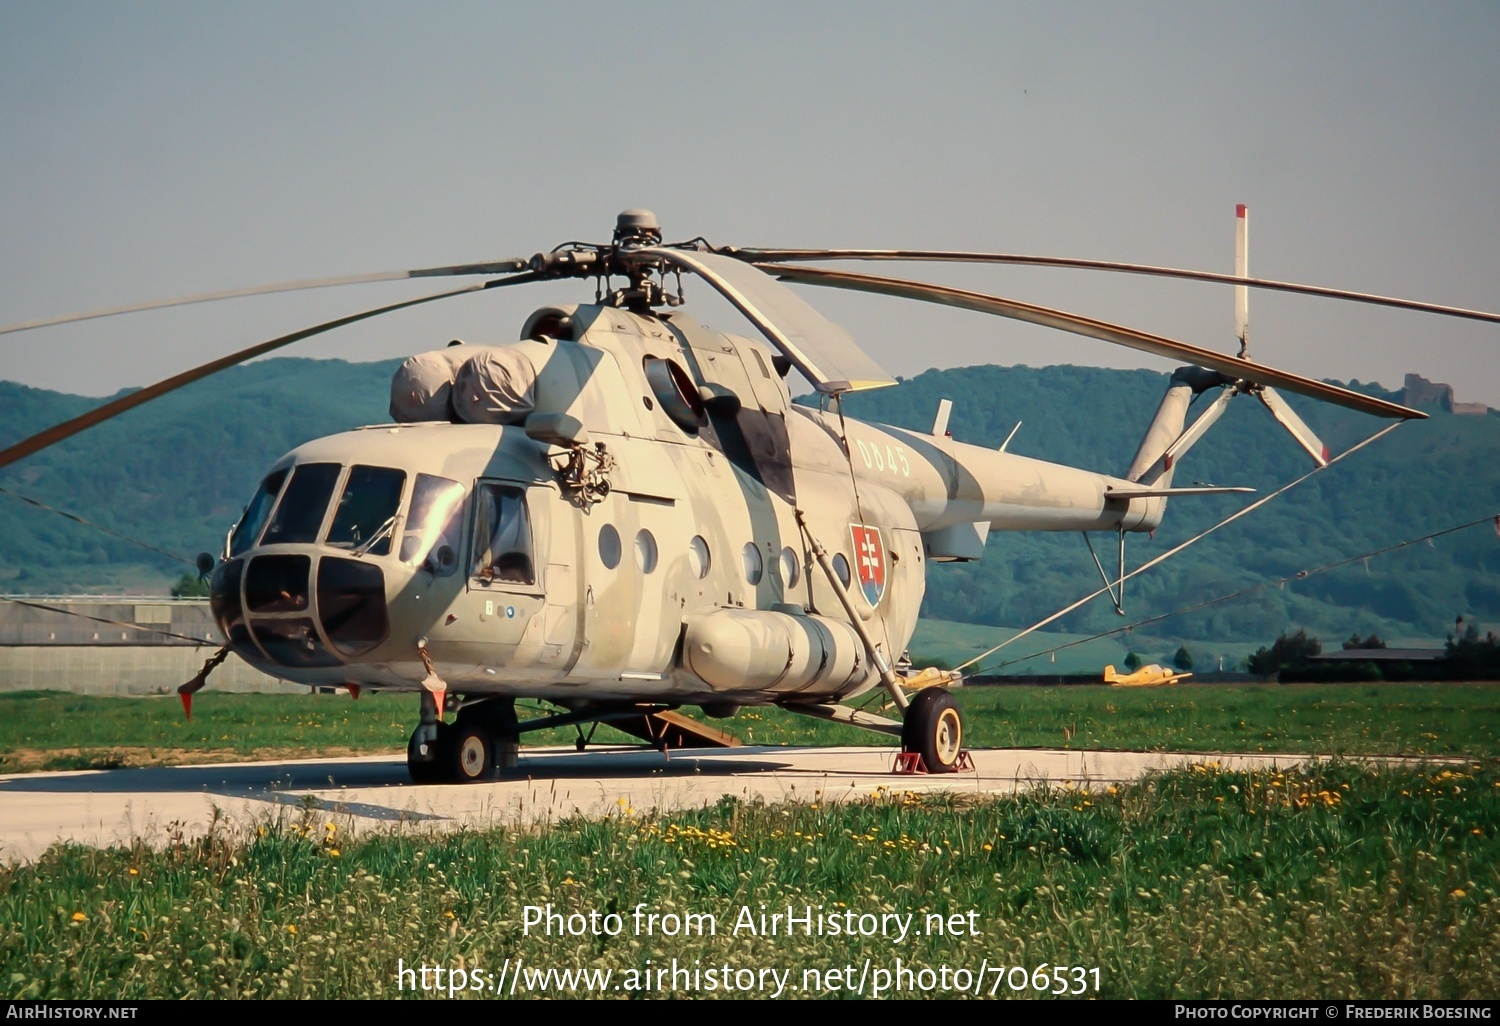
{"x":624,"y":513}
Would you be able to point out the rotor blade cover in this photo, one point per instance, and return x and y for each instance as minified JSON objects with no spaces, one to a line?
{"x":820,"y":349}
{"x":496,"y":385}
{"x":1103,"y":330}
{"x":422,"y":387}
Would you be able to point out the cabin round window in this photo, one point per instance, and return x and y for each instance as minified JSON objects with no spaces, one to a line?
{"x":791,"y":569}
{"x":754,"y":565}
{"x":609,"y":546}
{"x":645,"y":551}
{"x":699,"y":560}
{"x":841,"y":569}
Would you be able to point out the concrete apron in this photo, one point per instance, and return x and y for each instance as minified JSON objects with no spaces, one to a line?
{"x":373,"y":794}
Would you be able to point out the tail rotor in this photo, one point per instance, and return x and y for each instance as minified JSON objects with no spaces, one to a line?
{"x":1280,"y":409}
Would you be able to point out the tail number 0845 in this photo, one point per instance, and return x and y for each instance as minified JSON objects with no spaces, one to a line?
{"x":884,"y":457}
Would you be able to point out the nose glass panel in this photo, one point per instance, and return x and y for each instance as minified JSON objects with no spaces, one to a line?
{"x":351,"y":604}
{"x":293,"y":642}
{"x":278,"y":584}
{"x":224,"y":601}
{"x":257,"y":513}
{"x":366,"y":510}
{"x":300,"y":512}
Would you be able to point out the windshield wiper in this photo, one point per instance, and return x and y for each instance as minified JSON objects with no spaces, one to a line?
{"x":386,"y":530}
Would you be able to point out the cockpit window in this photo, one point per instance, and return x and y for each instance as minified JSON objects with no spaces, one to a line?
{"x":432,"y":527}
{"x":502,"y":536}
{"x":300,"y":512}
{"x":256,"y":513}
{"x":366,"y":512}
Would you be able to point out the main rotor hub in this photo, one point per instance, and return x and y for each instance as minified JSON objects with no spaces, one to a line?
{"x":637,"y":227}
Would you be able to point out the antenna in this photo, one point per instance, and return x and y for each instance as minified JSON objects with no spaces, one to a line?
{"x":1242,"y":270}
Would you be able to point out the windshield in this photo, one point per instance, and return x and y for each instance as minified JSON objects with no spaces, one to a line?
{"x":256,"y":513}
{"x":432,"y":527}
{"x":366,"y":508}
{"x":300,"y":512}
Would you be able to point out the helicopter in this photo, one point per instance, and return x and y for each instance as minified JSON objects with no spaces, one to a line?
{"x":624,"y":513}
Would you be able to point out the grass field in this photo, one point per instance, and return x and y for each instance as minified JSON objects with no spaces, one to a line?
{"x":1339,"y":882}
{"x":954,"y":643}
{"x":51,"y":730}
{"x":1336,"y":881}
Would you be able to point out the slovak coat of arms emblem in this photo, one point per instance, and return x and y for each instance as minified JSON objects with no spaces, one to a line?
{"x":869,"y":561}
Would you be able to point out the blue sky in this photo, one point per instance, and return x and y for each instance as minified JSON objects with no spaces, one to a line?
{"x":153,"y":149}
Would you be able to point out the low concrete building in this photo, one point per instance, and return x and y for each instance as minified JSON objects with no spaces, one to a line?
{"x":116,"y":645}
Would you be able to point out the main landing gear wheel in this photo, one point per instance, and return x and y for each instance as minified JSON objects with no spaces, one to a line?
{"x":934,"y":728}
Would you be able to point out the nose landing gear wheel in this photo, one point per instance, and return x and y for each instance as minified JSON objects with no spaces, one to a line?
{"x":470,"y":754}
{"x":934,"y":728}
{"x":432,"y":770}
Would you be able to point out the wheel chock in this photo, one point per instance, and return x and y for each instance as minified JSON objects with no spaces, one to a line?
{"x":909,"y":763}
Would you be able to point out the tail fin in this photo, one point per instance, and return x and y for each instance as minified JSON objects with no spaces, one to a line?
{"x":1109,"y":675}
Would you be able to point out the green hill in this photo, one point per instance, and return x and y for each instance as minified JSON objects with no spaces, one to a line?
{"x":1423,"y":477}
{"x":177,"y":473}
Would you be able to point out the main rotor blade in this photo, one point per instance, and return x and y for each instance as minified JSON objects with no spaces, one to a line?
{"x":497,"y":267}
{"x":1156,"y":344}
{"x":99,"y":414}
{"x":822,"y":350}
{"x":759,"y":256}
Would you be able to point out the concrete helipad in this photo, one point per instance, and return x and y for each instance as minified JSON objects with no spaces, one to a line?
{"x":118,"y":806}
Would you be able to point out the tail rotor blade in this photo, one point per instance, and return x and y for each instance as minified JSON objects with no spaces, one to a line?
{"x":1295,"y":425}
{"x":1198,"y":428}
{"x":1242,"y":270}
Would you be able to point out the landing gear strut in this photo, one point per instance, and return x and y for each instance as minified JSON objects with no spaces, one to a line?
{"x":424,"y":750}
{"x":482,"y":740}
{"x":933,"y":728}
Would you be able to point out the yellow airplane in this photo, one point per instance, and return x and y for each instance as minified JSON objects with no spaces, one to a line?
{"x":1149,"y":676}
